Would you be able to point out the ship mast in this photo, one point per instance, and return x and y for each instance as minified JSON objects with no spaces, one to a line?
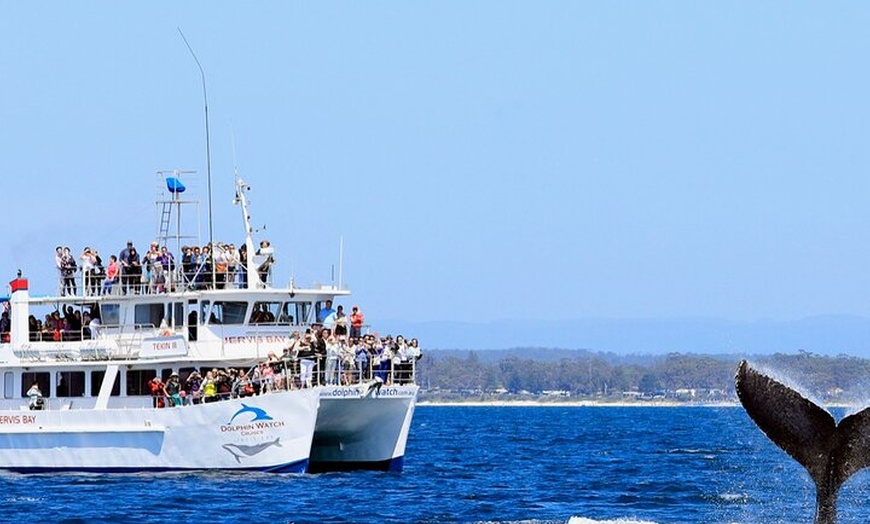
{"x":250,"y":267}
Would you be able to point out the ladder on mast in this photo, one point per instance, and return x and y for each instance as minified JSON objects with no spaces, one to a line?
{"x":169,"y":181}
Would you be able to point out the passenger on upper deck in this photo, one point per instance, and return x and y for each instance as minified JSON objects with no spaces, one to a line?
{"x":357,"y":319}
{"x":340,"y":328}
{"x":68,"y":271}
{"x":131,"y":269}
{"x":221,"y":267}
{"x":265,"y":259}
{"x":232,"y":258}
{"x":58,"y":263}
{"x":89,"y":261}
{"x":158,"y":278}
{"x":203,"y":266}
{"x":325,"y":312}
{"x":243,"y":266}
{"x":188,"y":265}
{"x":168,"y":260}
{"x":113,"y":275}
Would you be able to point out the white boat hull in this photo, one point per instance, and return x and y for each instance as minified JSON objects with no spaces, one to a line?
{"x":361,"y":428}
{"x":264,"y":433}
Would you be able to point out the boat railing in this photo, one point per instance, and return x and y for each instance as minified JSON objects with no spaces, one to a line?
{"x":111,"y":342}
{"x":149,"y":282}
{"x":286,"y":373}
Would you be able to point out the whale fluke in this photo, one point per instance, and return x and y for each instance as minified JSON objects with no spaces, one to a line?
{"x":830,"y":452}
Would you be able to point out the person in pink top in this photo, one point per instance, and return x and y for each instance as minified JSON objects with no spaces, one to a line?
{"x":113,"y":272}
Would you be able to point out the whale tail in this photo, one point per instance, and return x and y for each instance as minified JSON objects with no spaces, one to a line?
{"x":831,"y":453}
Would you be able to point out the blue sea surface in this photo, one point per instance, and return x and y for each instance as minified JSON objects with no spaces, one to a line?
{"x":485,"y":464}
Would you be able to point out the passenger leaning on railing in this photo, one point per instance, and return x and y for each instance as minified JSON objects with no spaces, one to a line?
{"x":113,"y":275}
{"x":157,"y":392}
{"x":193,"y":387}
{"x":209,"y":388}
{"x":307,"y":356}
{"x":172,"y":390}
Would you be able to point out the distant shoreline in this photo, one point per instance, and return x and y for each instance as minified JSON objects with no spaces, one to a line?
{"x":578,"y":404}
{"x":601,"y":404}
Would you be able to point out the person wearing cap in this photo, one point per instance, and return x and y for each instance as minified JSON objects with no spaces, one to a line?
{"x":131,"y":269}
{"x":126,"y":251}
{"x":357,"y":319}
{"x":172,"y":390}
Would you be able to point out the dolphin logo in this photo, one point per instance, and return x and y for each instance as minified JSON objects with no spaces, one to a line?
{"x":239,"y":450}
{"x":374,"y":387}
{"x":259,"y":414}
{"x":831,"y":453}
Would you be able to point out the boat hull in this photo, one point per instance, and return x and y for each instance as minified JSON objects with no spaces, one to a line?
{"x":264,"y":433}
{"x":362,"y":428}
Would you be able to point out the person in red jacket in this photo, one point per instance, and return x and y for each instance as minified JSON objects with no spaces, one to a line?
{"x":357,"y":319}
{"x":156,"y":386}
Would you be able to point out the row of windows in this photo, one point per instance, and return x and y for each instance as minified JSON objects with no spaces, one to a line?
{"x":221,"y":312}
{"x":73,"y":384}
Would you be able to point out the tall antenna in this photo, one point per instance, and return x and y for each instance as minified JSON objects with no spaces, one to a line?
{"x":207,"y":153}
{"x":340,"y":258}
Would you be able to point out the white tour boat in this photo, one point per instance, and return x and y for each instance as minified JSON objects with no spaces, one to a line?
{"x":83,"y":422}
{"x":98,"y":412}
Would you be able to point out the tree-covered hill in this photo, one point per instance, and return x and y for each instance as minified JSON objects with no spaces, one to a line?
{"x":537,"y":372}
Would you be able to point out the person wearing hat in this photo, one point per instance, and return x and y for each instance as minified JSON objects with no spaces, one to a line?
{"x":157,"y":391}
{"x":35,"y":395}
{"x":172,"y":390}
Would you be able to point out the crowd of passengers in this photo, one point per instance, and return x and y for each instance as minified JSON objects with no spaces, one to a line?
{"x":316,"y":357}
{"x":216,"y":265}
{"x":65,"y":324}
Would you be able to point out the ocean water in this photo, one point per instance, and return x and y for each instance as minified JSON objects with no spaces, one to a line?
{"x":528,"y":465}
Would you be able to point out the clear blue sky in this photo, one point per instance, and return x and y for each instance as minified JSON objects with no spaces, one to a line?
{"x":483,"y":160}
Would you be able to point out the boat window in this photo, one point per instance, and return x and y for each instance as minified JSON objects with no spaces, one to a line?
{"x":178,"y":314}
{"x":97,"y":383}
{"x":303,"y":312}
{"x":265,"y":312}
{"x":287,"y":316}
{"x":225,"y":312}
{"x":110,"y":314}
{"x":8,"y":385}
{"x":70,"y":383}
{"x":137,"y":381}
{"x":203,"y":311}
{"x":148,"y":315}
{"x":43,"y":378}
